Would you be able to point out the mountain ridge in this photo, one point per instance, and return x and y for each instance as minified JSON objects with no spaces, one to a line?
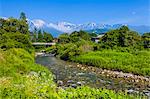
{"x":66,"y":27}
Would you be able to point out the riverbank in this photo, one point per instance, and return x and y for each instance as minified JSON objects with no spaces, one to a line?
{"x":20,"y":77}
{"x":115,"y":74}
{"x":137,"y":62}
{"x":131,"y":68}
{"x":69,"y":74}
{"x":127,"y":67}
{"x":139,"y":81}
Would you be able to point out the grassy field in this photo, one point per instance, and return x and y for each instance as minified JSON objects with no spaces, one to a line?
{"x":137,"y":62}
{"x":21,"y":78}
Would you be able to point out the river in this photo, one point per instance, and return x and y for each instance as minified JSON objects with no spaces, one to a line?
{"x":68,"y":74}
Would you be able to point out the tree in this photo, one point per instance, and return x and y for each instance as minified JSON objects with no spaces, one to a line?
{"x":12,"y":37}
{"x":47,"y":37}
{"x":40,"y":36}
{"x":93,"y":34}
{"x":78,"y":36}
{"x":84,"y":35}
{"x":14,"y":33}
{"x":74,"y":37}
{"x":64,"y":38}
{"x":24,"y":28}
{"x":13,"y":25}
{"x":122,"y":37}
{"x":146,"y":40}
{"x":34,"y":39}
{"x":67,"y":51}
{"x":23,"y":16}
{"x":124,"y":29}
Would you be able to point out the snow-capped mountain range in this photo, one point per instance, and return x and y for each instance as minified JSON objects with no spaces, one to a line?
{"x":65,"y":27}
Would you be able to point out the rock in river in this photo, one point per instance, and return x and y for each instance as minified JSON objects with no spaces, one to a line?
{"x":74,"y":85}
{"x":70,"y":81}
{"x":79,"y":83}
{"x":60,"y":83}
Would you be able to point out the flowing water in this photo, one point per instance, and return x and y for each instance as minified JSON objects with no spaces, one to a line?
{"x":68,"y":74}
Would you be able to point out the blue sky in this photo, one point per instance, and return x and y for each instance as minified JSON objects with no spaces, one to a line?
{"x":133,"y":12}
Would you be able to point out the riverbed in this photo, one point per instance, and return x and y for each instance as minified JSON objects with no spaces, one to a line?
{"x":68,"y":74}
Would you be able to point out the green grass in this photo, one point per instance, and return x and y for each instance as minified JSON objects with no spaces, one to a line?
{"x":21,"y":78}
{"x":137,"y":62}
{"x":92,"y":93}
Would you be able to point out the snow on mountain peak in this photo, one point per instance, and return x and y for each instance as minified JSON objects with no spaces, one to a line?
{"x":66,"y":27}
{"x":63,"y":26}
{"x":38,"y":23}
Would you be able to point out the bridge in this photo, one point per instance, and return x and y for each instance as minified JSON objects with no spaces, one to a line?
{"x":45,"y":44}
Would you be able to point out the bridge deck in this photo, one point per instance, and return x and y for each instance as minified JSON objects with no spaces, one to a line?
{"x":38,"y":43}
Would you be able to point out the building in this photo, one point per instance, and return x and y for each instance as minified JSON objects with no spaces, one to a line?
{"x":96,"y":39}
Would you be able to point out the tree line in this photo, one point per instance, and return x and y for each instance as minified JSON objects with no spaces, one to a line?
{"x":79,"y":42}
{"x":41,"y":36}
{"x":124,"y":37}
{"x":14,"y":33}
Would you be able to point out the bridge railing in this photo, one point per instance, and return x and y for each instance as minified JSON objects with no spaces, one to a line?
{"x":38,"y":43}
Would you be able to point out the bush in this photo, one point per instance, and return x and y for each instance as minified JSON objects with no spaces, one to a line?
{"x":15,"y":40}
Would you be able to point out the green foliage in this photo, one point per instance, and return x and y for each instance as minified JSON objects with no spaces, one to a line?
{"x":14,"y":33}
{"x":64,"y":38}
{"x":15,"y":62}
{"x":77,"y":36}
{"x":34,"y":37}
{"x":23,"y":16}
{"x":146,"y":40}
{"x":122,"y":37}
{"x":74,"y":44}
{"x":51,"y":49}
{"x":66,"y":51}
{"x":15,"y":40}
{"x":24,"y":24}
{"x":92,"y":93}
{"x":13,"y":25}
{"x":93,"y":34}
{"x":40,"y":36}
{"x":47,"y":37}
{"x":20,"y":77}
{"x":137,"y":62}
{"x":74,"y":37}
